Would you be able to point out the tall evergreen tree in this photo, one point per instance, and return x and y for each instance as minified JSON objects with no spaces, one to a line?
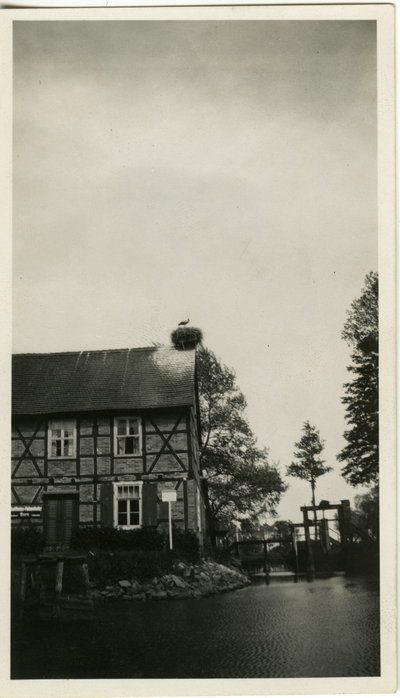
{"x":361,"y":331}
{"x":240,"y":480}
{"x":308,"y":465}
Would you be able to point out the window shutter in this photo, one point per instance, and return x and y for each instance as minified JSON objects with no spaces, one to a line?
{"x":149,"y":504}
{"x":51,"y":511}
{"x":107,"y":504}
{"x":70,"y":517}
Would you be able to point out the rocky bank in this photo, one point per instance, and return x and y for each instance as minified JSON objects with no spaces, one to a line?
{"x":187,"y":581}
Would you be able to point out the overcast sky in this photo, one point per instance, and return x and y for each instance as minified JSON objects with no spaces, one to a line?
{"x":219,"y":171}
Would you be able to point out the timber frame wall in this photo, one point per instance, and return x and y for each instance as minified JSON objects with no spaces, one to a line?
{"x":169,"y":458}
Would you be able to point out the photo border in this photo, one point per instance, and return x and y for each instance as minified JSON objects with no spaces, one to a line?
{"x":387,"y":682}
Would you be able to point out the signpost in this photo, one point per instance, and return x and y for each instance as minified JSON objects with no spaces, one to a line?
{"x":169,"y":496}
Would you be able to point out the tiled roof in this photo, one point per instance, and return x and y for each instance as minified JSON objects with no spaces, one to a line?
{"x":103,"y":380}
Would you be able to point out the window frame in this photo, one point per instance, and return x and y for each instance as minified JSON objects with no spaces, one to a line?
{"x":116,"y":499}
{"x":116,"y":436}
{"x":51,"y":428}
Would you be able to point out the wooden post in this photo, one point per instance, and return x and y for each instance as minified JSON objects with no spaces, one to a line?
{"x":266,"y":562}
{"x":58,"y":589}
{"x":85,"y":575}
{"x":344,"y":516}
{"x":23,"y":589}
{"x":38,"y":582}
{"x":342,"y":530}
{"x":294,"y":544}
{"x":311,"y":566}
{"x":325,"y":539}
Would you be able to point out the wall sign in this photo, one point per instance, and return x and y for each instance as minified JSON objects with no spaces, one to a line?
{"x":168,"y":496}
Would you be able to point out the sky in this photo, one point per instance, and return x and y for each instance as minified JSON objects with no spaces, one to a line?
{"x":221,"y":171}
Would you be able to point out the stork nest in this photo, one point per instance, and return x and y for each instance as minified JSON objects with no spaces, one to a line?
{"x":186,"y":337}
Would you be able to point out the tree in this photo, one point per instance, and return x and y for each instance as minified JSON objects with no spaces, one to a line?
{"x":361,"y":331}
{"x":240,"y":480}
{"x":365,"y":514}
{"x":308,"y":466}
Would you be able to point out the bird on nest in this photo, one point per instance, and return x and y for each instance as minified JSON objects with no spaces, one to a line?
{"x":183,"y":323}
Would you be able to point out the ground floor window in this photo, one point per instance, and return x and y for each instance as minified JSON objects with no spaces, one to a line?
{"x":127,"y":505}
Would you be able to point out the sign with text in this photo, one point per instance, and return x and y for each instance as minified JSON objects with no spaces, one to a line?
{"x":26,"y":512}
{"x":168,"y":496}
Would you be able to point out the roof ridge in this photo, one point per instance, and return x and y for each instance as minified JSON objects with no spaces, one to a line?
{"x":93,"y":351}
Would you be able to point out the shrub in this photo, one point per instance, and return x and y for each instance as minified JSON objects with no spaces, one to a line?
{"x":186,"y":543}
{"x":109,"y":568}
{"x":26,"y":540}
{"x":147,"y":538}
{"x":109,"y":538}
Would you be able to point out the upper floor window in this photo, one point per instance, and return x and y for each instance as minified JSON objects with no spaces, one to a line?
{"x":62,"y":438}
{"x":127,"y":436}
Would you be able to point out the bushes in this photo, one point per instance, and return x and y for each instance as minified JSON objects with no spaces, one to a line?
{"x":26,"y":540}
{"x":109,"y":568}
{"x":144,"y":538}
{"x":141,"y":553}
{"x":187,"y":543}
{"x":109,"y":538}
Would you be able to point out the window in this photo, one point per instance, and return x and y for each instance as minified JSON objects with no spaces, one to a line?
{"x":128,"y":505}
{"x":127,"y":436}
{"x":62,"y":439}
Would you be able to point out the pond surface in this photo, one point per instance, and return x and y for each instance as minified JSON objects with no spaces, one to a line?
{"x":328,"y":627}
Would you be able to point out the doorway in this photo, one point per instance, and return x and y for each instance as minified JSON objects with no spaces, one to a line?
{"x":60,"y":515}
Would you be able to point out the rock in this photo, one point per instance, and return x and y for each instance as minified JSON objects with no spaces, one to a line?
{"x":180,"y":568}
{"x":124,"y":584}
{"x":179,"y":582}
{"x":184,"y":594}
{"x":162,"y":594}
{"x":96,"y":594}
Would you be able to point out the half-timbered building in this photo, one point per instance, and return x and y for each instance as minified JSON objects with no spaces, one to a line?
{"x":98,"y":436}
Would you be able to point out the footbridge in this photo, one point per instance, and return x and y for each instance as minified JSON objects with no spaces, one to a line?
{"x":322,"y":543}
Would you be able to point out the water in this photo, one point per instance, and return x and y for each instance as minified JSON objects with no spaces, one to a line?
{"x":326,"y":628}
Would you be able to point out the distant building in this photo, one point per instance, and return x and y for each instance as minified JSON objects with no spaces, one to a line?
{"x":98,"y":436}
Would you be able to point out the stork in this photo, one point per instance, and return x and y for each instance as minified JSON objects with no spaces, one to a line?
{"x":184,"y":322}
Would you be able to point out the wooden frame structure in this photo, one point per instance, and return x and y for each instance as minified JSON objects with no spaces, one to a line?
{"x":344,"y":521}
